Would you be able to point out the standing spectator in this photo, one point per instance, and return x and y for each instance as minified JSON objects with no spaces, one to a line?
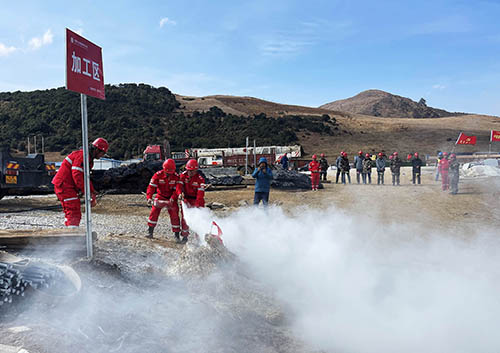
{"x":367,"y":169}
{"x":358,"y":164}
{"x":284,"y":162}
{"x":323,"y":163}
{"x":395,"y":168}
{"x":344,"y":167}
{"x":263,"y":175}
{"x":444,"y":166}
{"x":454,"y":173}
{"x":416,"y":164}
{"x":314,"y":169}
{"x":380,"y":163}
{"x":339,"y":169}
{"x":439,"y":157}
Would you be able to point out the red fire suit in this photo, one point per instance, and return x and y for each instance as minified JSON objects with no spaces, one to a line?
{"x":444,"y":166}
{"x":69,"y":186}
{"x":165,"y":186}
{"x":314,"y":168}
{"x":194,"y":194}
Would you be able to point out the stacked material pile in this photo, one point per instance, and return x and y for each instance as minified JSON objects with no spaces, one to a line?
{"x":291,"y":179}
{"x":16,"y":278}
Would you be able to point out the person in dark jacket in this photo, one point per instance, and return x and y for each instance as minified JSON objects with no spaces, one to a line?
{"x":344,"y":167}
{"x":367,"y":169}
{"x":395,"y":168}
{"x":284,"y":162}
{"x":264,"y":176}
{"x":416,"y":164}
{"x":358,"y":164}
{"x":339,"y":169}
{"x":454,"y":171}
{"x":380,"y":163}
{"x":323,"y":164}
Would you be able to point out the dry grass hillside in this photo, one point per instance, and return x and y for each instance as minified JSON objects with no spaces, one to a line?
{"x":383,"y":104}
{"x":356,"y":131}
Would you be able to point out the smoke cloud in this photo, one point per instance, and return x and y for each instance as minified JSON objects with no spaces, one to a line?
{"x":355,"y":284}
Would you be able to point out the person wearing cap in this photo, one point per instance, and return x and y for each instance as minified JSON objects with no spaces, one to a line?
{"x":380,"y":164}
{"x":454,"y":174}
{"x":344,"y":167}
{"x":339,"y":169}
{"x":164,"y":184}
{"x":395,"y":168}
{"x":263,"y":175}
{"x":416,"y":164}
{"x":358,"y":164}
{"x":444,"y":166}
{"x":190,"y":189}
{"x":439,"y":157}
{"x":314,"y":168}
{"x":367,"y":169}
{"x":69,"y":183}
{"x":323,"y":164}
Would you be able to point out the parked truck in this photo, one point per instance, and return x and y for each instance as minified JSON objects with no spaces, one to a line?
{"x":25,"y":175}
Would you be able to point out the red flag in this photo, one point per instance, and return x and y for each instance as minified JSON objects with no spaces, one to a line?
{"x":219,"y":232}
{"x":463,"y":139}
{"x":495,"y":136}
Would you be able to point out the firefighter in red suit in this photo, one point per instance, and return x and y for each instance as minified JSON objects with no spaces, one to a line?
{"x":69,"y":181}
{"x":192,"y":191}
{"x":164,"y":183}
{"x":444,"y":166}
{"x":314,"y":168}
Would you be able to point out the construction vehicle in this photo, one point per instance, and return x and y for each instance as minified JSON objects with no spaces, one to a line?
{"x":25,"y":175}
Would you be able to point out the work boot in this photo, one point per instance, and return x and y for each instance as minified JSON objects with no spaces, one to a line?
{"x":184,"y":240}
{"x":150,"y":232}
{"x":177,"y":237}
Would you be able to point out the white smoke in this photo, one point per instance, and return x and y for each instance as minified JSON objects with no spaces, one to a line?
{"x":355,"y":284}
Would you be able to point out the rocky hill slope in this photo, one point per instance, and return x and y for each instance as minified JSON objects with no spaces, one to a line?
{"x":383,"y":104}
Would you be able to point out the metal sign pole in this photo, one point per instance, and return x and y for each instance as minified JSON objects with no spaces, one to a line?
{"x":86,"y":176}
{"x":254,"y":155}
{"x":246,"y":158}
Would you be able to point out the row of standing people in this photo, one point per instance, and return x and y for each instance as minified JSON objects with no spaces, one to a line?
{"x":165,"y":189}
{"x":363,"y":164}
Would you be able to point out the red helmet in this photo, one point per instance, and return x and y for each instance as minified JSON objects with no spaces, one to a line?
{"x":344,"y":154}
{"x":416,"y":154}
{"x":360,"y":153}
{"x":445,"y":154}
{"x":322,"y":155}
{"x":453,"y":155}
{"x":192,"y":164}
{"x":391,"y":156}
{"x":395,"y":153}
{"x":169,"y":166}
{"x":314,"y":156}
{"x":367,"y":155}
{"x":380,"y":154}
{"x":101,"y":144}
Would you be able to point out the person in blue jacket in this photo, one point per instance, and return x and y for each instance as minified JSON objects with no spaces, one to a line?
{"x":264,"y":176}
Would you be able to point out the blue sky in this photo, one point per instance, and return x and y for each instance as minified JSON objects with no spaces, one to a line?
{"x":285,"y":51}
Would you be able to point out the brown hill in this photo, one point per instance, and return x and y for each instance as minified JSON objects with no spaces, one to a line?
{"x":383,"y":104}
{"x":356,"y":131}
{"x":248,"y":106}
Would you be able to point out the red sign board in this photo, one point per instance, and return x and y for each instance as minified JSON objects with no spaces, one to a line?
{"x":84,"y":71}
